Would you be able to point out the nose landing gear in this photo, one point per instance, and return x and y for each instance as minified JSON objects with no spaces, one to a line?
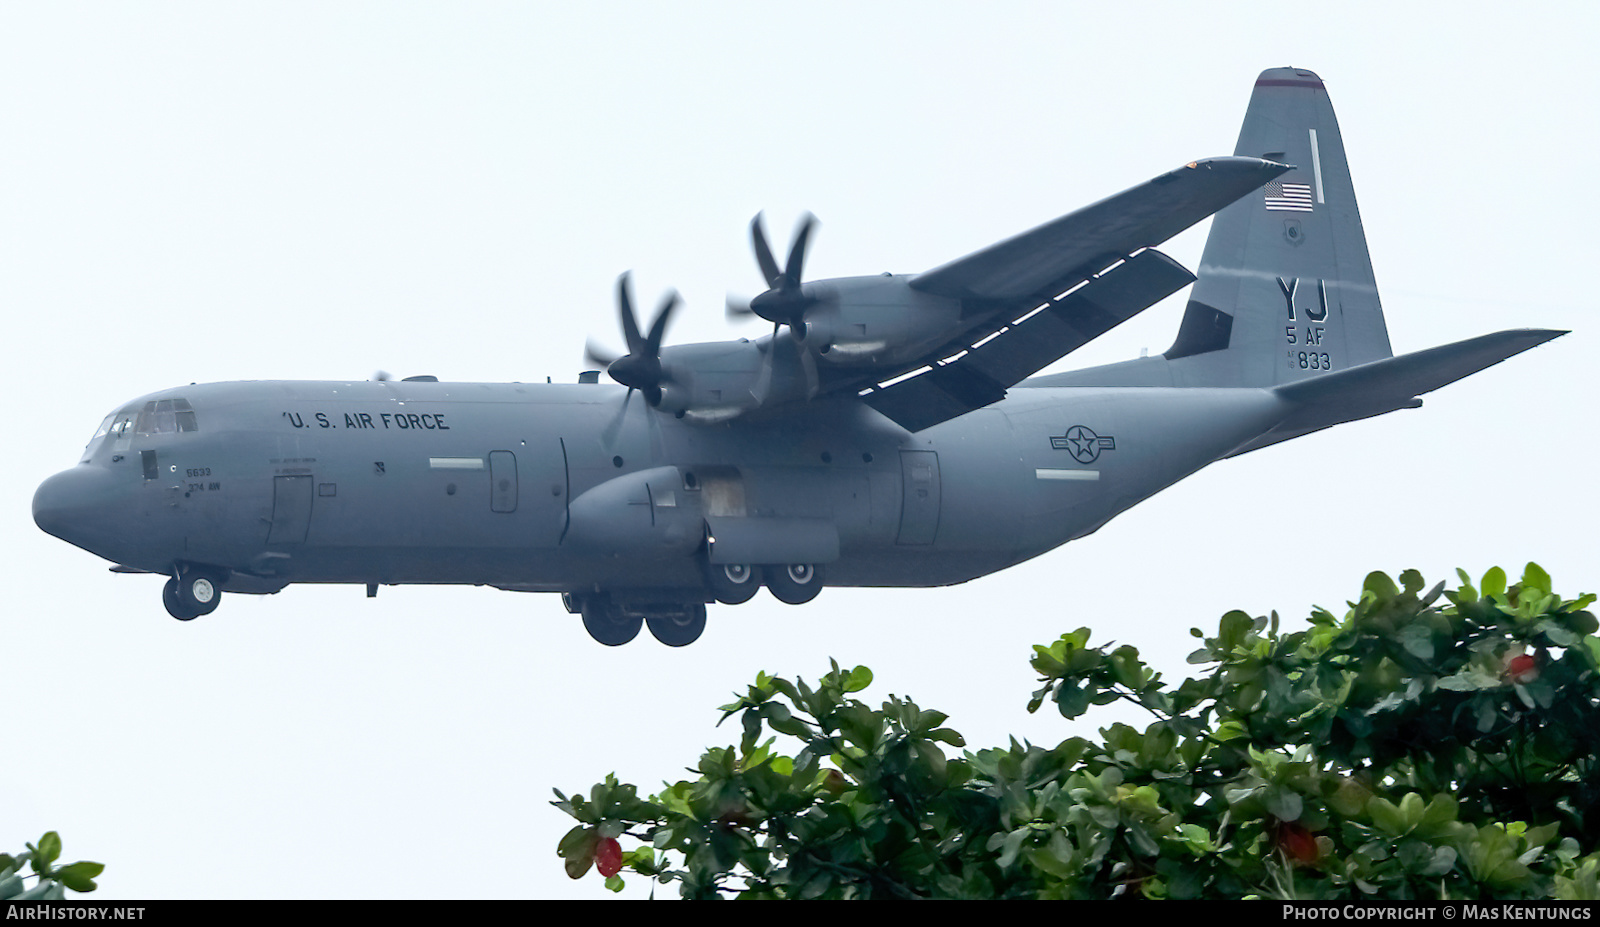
{"x":192,"y":592}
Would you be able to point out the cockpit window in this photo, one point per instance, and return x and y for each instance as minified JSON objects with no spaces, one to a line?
{"x":164,"y":417}
{"x":101,"y":432}
{"x":156,"y":417}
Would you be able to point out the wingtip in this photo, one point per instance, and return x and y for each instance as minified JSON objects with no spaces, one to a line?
{"x":1290,"y":77}
{"x":1238,"y":165}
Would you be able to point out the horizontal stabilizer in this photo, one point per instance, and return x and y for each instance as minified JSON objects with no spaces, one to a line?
{"x":1392,"y":383}
{"x":1060,"y":253}
{"x":1420,"y":371}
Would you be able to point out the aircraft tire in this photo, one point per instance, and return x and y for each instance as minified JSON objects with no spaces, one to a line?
{"x":733,"y":583}
{"x":606,"y":623}
{"x":794,"y":583}
{"x":199,"y":590}
{"x":202,"y":588}
{"x":176,"y":607}
{"x":679,"y":630}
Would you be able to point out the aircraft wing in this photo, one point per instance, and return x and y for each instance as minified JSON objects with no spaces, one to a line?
{"x":1047,"y":292}
{"x":1059,"y":254}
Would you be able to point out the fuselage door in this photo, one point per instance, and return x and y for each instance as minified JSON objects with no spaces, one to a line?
{"x":502,"y":481}
{"x":291,"y":509}
{"x":919,"y":510}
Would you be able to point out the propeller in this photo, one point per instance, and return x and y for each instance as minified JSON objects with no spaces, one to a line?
{"x":640,"y":369}
{"x":785,"y":302}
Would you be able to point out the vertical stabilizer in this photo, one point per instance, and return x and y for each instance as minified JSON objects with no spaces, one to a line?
{"x":1285,"y":290}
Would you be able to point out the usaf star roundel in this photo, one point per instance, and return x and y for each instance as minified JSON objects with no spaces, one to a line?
{"x":1084,"y":445}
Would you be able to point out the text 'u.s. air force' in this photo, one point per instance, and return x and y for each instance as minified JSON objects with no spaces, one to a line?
{"x":379,"y":421}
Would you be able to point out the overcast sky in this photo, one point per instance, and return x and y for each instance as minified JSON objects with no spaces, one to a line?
{"x":197,"y":192}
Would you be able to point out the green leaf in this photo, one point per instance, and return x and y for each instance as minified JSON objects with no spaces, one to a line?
{"x":1349,"y":798}
{"x":1231,"y":631}
{"x":80,"y":876}
{"x":1380,"y":586}
{"x":49,"y":847}
{"x":1417,"y":639}
{"x":1494,"y":583}
{"x":577,"y":848}
{"x":1196,"y":838}
{"x":1535,"y":579}
{"x":1230,"y":730}
{"x":1011,"y":845}
{"x":1386,"y":816}
{"x":1283,"y":804}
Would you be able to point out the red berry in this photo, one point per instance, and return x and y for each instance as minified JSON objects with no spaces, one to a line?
{"x":608,"y":857}
{"x":1522,"y":668}
{"x":1298,"y":843}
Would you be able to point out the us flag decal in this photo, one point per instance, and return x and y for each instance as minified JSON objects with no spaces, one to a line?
{"x":1283,"y":196}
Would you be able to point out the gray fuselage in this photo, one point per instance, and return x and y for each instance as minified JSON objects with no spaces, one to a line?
{"x":563,"y":488}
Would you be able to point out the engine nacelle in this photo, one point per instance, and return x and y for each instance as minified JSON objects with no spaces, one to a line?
{"x":671,"y":398}
{"x":876,"y":321}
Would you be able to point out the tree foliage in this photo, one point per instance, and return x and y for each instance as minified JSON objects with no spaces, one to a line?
{"x":1430,"y":744}
{"x":53,"y":880}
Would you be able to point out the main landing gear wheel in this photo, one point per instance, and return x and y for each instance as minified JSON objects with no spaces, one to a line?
{"x":606,"y":623}
{"x":174,"y":604}
{"x":192,"y":593}
{"x":733,"y":583}
{"x":681,"y":629}
{"x":794,"y":583}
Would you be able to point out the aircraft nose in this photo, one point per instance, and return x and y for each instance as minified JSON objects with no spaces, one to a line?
{"x":71,"y":504}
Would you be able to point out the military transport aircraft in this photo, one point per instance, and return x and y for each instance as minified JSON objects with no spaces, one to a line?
{"x":889,"y":431}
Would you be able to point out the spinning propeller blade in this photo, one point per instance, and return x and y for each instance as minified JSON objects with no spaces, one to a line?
{"x":785,"y":301}
{"x":639,"y":369}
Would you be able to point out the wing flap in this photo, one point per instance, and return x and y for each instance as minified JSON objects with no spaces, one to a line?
{"x":1082,"y":316}
{"x":1060,"y":253}
{"x":938,"y":395}
{"x":981,"y":375}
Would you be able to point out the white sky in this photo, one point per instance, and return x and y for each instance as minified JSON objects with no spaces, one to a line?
{"x":202,"y":192}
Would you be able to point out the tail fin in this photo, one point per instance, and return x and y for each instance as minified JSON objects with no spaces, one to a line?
{"x":1285,"y":289}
